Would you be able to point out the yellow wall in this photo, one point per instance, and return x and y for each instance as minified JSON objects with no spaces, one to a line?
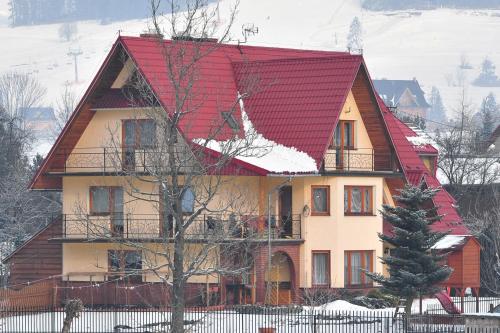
{"x":92,"y":260}
{"x":359,"y":158}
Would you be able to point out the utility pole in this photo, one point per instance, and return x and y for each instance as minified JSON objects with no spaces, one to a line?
{"x":75,"y":53}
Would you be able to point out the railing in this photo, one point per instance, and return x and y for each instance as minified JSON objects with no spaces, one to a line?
{"x":471,"y":305}
{"x":359,"y":159}
{"x":154,"y":226}
{"x":238,"y":319}
{"x":116,"y":160}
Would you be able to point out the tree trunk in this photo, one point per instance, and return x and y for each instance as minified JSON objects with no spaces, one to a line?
{"x":178,"y":284}
{"x":409,"y":303}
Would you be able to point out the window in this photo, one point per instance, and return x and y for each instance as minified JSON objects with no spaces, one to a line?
{"x":187,"y":200}
{"x":358,"y":200}
{"x":127,"y":264}
{"x":167,"y":220}
{"x":321,"y":268}
{"x":355,"y":263}
{"x":320,"y":200}
{"x":108,"y":201}
{"x":344,"y":135}
{"x":139,"y":133}
{"x":230,"y":120}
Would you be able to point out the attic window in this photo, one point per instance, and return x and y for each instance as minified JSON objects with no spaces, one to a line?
{"x":230,"y":120}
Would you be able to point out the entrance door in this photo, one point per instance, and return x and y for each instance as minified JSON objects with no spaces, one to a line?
{"x":285,"y":208}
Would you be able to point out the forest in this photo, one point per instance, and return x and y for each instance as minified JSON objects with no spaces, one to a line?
{"x":429,"y":4}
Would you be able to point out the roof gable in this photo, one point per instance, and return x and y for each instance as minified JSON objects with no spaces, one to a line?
{"x":392,"y":90}
{"x":298,"y":101}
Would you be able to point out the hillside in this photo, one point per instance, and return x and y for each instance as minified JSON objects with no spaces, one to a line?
{"x":398,"y":44}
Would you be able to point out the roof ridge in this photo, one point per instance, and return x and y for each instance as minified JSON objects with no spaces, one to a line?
{"x":245,"y":46}
{"x":302,"y":59}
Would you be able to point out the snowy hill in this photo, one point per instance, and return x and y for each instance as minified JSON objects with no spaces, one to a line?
{"x":397,"y":45}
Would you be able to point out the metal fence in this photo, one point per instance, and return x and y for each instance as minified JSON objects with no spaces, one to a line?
{"x":238,"y":320}
{"x":470,"y":305}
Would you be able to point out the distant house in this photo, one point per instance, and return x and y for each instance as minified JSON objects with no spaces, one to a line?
{"x":406,"y":95}
{"x":40,"y":119}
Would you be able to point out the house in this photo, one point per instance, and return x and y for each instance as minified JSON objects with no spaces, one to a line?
{"x":338,"y":154}
{"x":406,"y":95}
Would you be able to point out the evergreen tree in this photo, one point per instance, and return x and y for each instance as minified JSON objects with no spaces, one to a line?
{"x":487,"y":77}
{"x":489,"y":110}
{"x":414,"y":268}
{"x":355,"y":37}
{"x":438,"y":112}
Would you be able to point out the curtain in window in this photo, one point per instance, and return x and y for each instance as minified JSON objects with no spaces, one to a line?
{"x":148,"y":130}
{"x":100,"y":200}
{"x":367,"y":199}
{"x":187,"y":200}
{"x":133,"y":261}
{"x":319,"y":200}
{"x":356,"y":200}
{"x":355,"y":268}
{"x":320,"y":274}
{"x":347,"y":135}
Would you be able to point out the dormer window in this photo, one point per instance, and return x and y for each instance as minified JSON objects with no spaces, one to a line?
{"x":344,"y":135}
{"x":231,"y":121}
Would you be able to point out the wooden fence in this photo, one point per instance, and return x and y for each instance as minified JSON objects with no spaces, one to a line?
{"x":37,"y":296}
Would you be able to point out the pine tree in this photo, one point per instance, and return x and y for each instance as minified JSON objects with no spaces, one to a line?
{"x":355,"y":37}
{"x":438,"y":112}
{"x":489,"y":110}
{"x":414,"y":268}
{"x":487,"y":77}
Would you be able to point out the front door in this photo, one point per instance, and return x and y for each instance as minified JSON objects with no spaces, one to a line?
{"x":285,"y":209}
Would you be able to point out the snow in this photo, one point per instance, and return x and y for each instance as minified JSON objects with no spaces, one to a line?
{"x":449,"y":242}
{"x":421,"y":138}
{"x":263,"y":152}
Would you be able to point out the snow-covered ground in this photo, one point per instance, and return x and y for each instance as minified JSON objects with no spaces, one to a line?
{"x":338,"y":316}
{"x":397,"y":45}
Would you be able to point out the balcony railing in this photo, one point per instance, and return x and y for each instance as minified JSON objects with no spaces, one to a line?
{"x":204,"y":227}
{"x":116,"y":160}
{"x":359,"y":159}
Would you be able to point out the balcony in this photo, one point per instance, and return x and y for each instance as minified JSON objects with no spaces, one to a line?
{"x":358,"y":160}
{"x":112,"y":160}
{"x":205,"y":227}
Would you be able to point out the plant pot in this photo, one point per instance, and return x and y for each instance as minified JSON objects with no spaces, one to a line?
{"x":267,"y":330}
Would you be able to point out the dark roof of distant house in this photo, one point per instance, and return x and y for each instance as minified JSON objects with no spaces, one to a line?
{"x":392,"y":90}
{"x":38,"y":113}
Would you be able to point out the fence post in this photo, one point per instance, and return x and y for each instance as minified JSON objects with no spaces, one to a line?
{"x":53,"y":320}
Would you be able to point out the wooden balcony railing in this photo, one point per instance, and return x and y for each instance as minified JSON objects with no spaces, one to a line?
{"x":215,"y":227}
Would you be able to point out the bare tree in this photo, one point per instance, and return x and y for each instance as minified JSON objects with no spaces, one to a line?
{"x":464,"y":159}
{"x":64,"y":108}
{"x":483,"y":222}
{"x":209,"y":224}
{"x":18,"y":91}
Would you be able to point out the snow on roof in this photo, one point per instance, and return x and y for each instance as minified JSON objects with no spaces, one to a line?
{"x":450,"y":242}
{"x":255,"y":149}
{"x":421,"y":138}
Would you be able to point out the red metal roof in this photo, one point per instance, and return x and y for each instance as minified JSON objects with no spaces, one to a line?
{"x":300,"y":100}
{"x":216,"y":89}
{"x":415,"y":171}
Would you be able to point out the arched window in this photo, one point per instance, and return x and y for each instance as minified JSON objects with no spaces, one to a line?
{"x":187,"y":200}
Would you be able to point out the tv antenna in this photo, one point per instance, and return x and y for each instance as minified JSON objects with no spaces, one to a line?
{"x":248,"y":29}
